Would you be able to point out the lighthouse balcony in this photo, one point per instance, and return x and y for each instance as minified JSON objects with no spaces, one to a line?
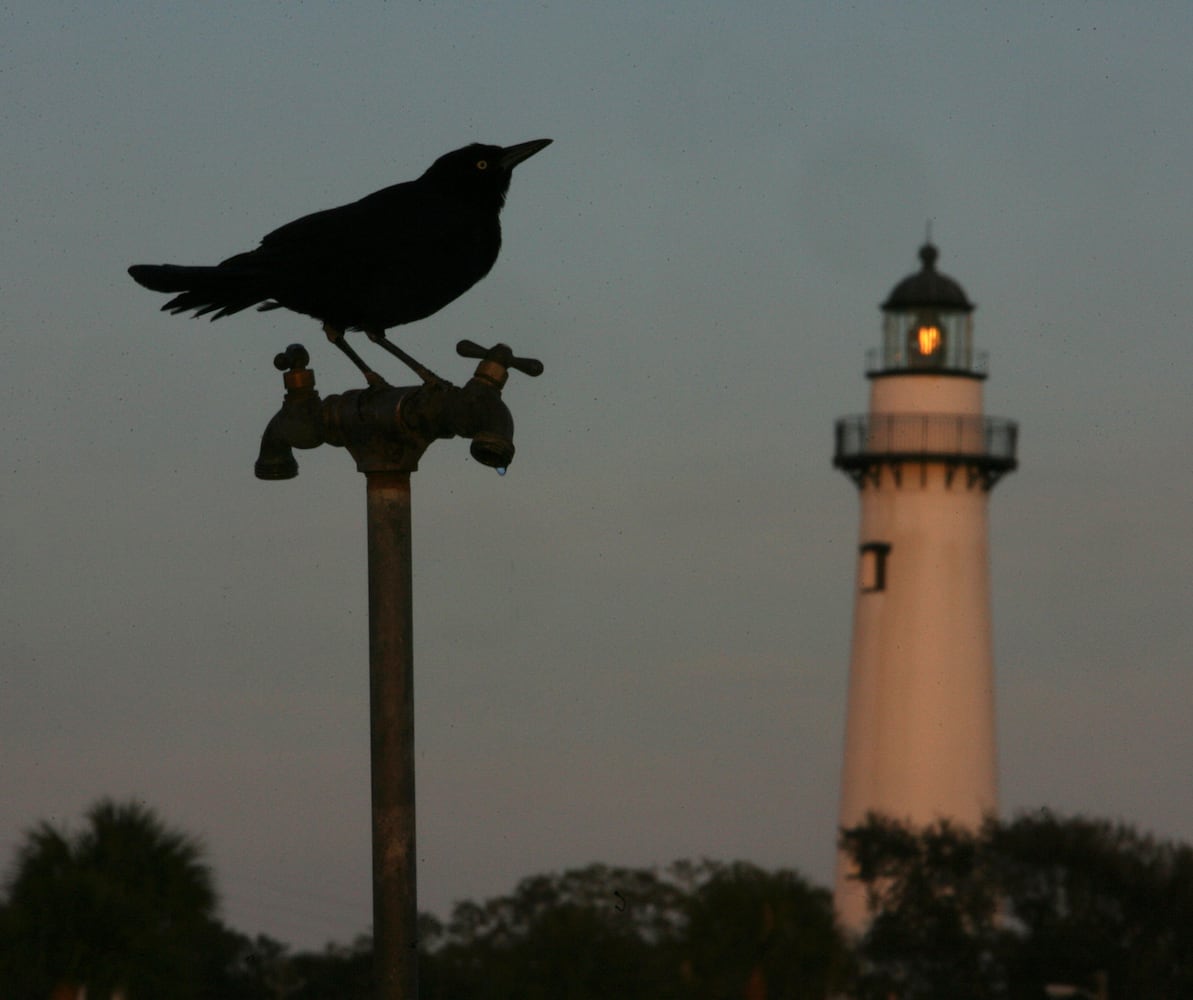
{"x":984,"y":447}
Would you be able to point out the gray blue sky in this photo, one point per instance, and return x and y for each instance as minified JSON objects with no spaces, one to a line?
{"x":634,"y":646}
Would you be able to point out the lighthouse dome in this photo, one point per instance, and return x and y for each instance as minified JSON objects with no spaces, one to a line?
{"x":928,"y":289}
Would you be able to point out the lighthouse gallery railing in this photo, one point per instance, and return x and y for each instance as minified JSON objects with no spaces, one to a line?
{"x":983,"y":443}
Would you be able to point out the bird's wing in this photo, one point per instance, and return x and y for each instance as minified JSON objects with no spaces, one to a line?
{"x":401,"y":227}
{"x":363,"y":223}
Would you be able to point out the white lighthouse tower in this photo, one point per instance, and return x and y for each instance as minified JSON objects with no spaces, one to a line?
{"x":919,"y":739}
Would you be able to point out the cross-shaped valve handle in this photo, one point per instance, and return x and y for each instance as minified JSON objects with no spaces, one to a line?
{"x":292,"y":363}
{"x":293,"y":358}
{"x":499,"y":354}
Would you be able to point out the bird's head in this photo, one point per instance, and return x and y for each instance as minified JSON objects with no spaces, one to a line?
{"x":482,"y":172}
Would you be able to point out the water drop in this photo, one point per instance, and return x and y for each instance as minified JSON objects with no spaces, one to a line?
{"x":501,"y":470}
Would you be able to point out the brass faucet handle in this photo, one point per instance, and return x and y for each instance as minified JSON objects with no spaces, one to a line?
{"x":296,"y":376}
{"x":293,"y":358}
{"x":527,"y":366}
{"x":502,"y":355}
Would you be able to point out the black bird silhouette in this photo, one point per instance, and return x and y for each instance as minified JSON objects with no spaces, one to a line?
{"x":393,"y":257}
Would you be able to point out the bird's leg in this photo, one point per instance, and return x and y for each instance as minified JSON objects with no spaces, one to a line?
{"x":337,"y":338}
{"x":378,"y":337}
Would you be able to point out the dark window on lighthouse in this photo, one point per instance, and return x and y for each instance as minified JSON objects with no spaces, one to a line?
{"x":873,"y":569}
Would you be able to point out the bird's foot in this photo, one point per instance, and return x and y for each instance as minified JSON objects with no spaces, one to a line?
{"x":433,"y":381}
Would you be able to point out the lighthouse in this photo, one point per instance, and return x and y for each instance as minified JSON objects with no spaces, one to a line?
{"x":919,"y":735}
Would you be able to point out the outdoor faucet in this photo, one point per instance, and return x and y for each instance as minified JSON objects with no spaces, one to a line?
{"x":479,"y":412}
{"x":298,"y":424}
{"x":386,"y":428}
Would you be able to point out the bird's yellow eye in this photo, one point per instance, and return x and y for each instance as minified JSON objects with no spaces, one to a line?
{"x":482,"y":164}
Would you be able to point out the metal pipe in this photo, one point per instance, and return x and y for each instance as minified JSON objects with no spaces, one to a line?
{"x":391,"y":714}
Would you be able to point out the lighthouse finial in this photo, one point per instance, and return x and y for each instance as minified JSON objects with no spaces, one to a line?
{"x":928,"y":252}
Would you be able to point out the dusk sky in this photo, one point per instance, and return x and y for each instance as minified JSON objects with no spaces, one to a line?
{"x":633,"y":647}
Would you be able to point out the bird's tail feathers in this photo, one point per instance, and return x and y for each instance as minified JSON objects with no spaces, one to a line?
{"x":217,"y":290}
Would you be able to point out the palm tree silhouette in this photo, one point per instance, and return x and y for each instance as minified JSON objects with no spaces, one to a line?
{"x":120,"y":909}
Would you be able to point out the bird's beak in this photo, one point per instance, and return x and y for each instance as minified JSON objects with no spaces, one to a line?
{"x":511,"y":156}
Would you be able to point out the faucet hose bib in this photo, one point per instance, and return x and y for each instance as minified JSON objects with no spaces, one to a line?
{"x":481,"y":414}
{"x":492,"y":450}
{"x":298,"y":424}
{"x":276,"y":458}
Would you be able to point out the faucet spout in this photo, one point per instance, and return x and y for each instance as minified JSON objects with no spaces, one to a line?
{"x":477,"y":411}
{"x":276,"y":458}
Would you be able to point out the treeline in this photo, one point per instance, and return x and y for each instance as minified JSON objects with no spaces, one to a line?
{"x":126,"y":908}
{"x":694,"y":930}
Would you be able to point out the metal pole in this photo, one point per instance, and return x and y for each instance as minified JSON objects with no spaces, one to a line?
{"x":391,"y":709}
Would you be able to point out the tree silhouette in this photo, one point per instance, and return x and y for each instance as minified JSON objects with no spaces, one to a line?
{"x":124,"y":908}
{"x":694,"y":931}
{"x":1003,"y":911}
{"x":1093,"y":897}
{"x":935,"y":932}
{"x":756,"y":934}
